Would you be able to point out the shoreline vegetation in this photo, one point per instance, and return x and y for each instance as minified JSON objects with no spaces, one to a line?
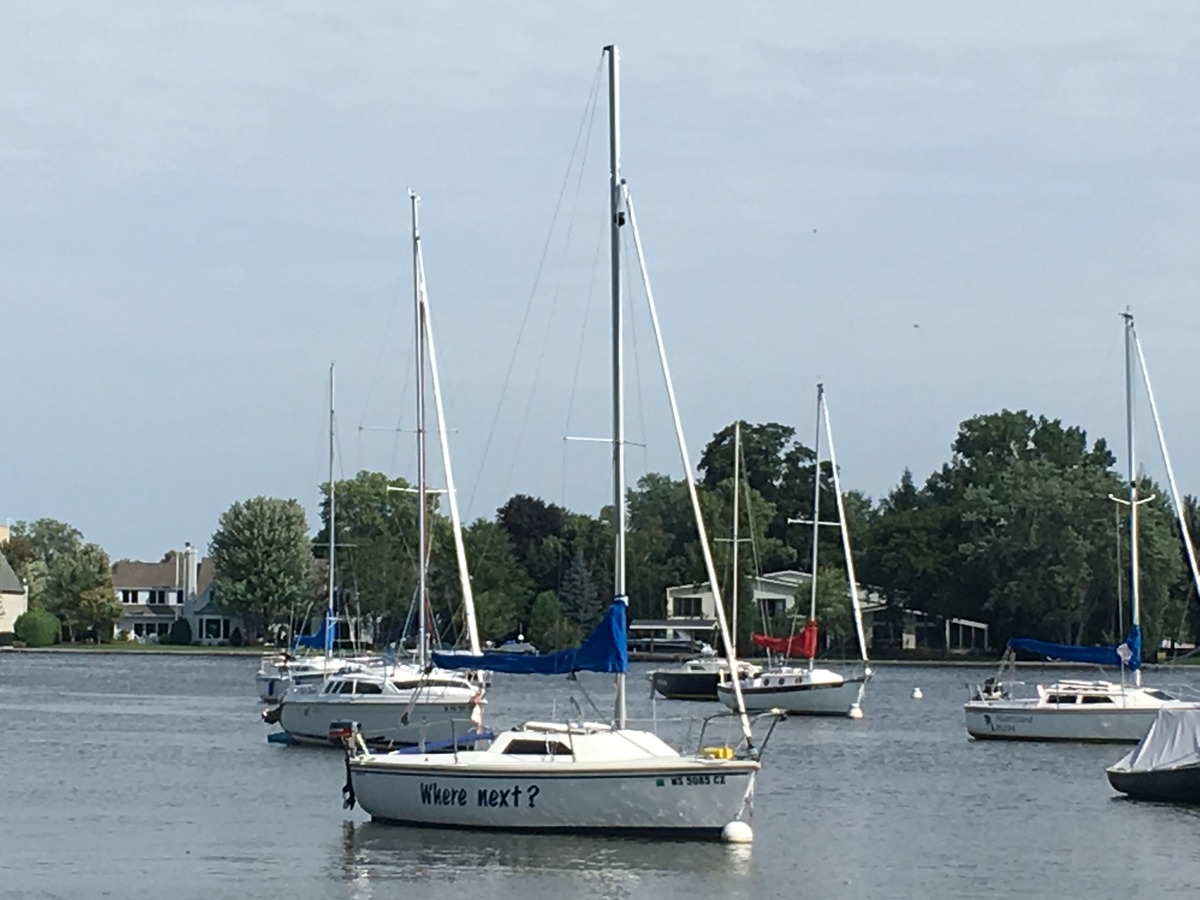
{"x":972,"y":662}
{"x":1017,"y":532}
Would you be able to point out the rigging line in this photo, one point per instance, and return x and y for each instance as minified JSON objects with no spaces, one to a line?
{"x":588,"y":113}
{"x":554,"y":305}
{"x":637,"y":369}
{"x":587,"y":311}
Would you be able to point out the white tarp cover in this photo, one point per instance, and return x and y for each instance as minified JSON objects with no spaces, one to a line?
{"x":1172,"y":741}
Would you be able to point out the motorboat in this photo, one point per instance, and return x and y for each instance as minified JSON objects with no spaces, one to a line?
{"x":697,"y":679}
{"x":1165,"y":765}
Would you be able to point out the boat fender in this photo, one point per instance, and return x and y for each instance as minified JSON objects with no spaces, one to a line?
{"x":725,"y":752}
{"x":737,"y":833}
{"x":271,"y":716}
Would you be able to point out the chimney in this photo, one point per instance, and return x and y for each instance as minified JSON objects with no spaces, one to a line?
{"x":191,"y":573}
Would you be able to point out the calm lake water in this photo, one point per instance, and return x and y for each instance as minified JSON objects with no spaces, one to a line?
{"x":149,"y":776}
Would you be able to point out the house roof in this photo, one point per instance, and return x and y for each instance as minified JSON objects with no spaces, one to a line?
{"x":205,"y":574}
{"x":9,"y":582}
{"x":132,"y":574}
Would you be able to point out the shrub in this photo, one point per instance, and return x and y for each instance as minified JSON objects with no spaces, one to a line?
{"x":236,"y":639}
{"x":180,"y":633}
{"x":37,"y":628}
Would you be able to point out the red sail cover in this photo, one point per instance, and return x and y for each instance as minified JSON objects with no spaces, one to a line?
{"x":801,"y":646}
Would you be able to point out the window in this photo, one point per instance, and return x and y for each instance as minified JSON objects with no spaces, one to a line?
{"x":1159,"y":695}
{"x":774,"y":607}
{"x":367,"y":687}
{"x":137,"y":628}
{"x":537,"y":748}
{"x":1088,"y":698}
{"x":687,"y":607}
{"x":179,"y":597}
{"x":129,"y":597}
{"x":1061,"y":699}
{"x":212,"y":629}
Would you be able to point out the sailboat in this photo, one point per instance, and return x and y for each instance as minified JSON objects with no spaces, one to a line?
{"x":697,"y":679}
{"x":809,"y":690}
{"x":579,"y":776}
{"x":399,"y":704}
{"x":280,"y":672}
{"x":1081,"y":709}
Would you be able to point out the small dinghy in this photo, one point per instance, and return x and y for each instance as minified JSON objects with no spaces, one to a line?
{"x":1165,"y":766}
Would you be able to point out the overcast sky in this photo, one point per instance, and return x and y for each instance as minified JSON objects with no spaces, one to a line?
{"x":938,"y":209}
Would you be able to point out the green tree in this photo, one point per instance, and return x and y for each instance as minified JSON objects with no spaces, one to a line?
{"x":501,"y":586}
{"x":580,"y":601}
{"x":79,"y":591}
{"x":1018,"y":530}
{"x":37,"y":628}
{"x":377,"y":545}
{"x":31,"y":549}
{"x":263,"y":560}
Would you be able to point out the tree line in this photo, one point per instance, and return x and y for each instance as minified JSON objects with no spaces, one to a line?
{"x":1016,"y":529}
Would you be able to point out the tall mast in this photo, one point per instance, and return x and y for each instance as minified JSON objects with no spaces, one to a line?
{"x":737,"y":490}
{"x":460,"y":550}
{"x":329,"y":612}
{"x":617,"y":219}
{"x":1134,"y":596}
{"x":851,"y":575}
{"x":816,"y":519}
{"x":422,"y":589}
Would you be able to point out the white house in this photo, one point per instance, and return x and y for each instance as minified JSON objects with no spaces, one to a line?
{"x":154,"y":595}
{"x":14,"y":599}
{"x":772,"y":593}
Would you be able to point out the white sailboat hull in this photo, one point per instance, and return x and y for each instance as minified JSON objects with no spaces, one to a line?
{"x":798,"y":696}
{"x":1016,"y":720}
{"x":675,"y":796}
{"x":385,"y":723}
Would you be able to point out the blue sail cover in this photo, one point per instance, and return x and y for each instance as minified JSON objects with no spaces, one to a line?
{"x":1128,"y":653}
{"x":605,"y":650}
{"x":323,"y":639}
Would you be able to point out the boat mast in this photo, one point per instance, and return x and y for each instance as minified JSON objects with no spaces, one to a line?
{"x":737,"y":490}
{"x":329,"y":613}
{"x":851,"y":576}
{"x":816,"y":519}
{"x":1134,"y":597}
{"x":460,"y":550}
{"x":422,"y":590}
{"x":616,"y":220}
{"x":1177,"y":500}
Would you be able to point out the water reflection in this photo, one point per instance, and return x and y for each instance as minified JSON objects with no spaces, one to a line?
{"x":376,"y":853}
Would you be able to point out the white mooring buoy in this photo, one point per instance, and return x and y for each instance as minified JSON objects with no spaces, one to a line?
{"x":737,"y":833}
{"x":917,"y":695}
{"x":856,"y":712}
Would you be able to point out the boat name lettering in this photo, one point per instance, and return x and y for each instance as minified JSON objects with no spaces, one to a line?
{"x":697,"y":779}
{"x":436,"y":795}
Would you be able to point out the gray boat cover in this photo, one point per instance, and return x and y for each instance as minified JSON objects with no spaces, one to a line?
{"x":1172,"y":741}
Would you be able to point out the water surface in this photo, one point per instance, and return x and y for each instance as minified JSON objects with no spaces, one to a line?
{"x":132,"y":775}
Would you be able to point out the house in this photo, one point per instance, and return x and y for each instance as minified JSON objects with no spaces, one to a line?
{"x":14,"y":599}
{"x":890,"y":630}
{"x":772,"y":593}
{"x":154,"y":595}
